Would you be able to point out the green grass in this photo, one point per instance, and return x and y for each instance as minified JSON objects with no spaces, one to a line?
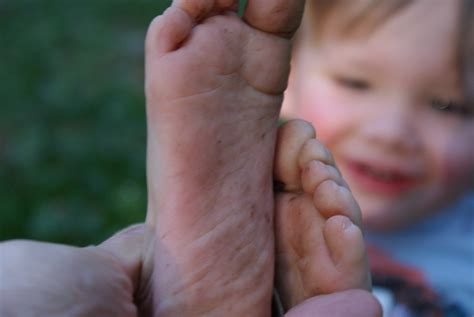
{"x":242,"y":4}
{"x":72,"y":117}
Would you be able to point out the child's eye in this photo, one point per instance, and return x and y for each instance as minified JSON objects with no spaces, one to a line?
{"x":453,"y":107}
{"x":353,"y":83}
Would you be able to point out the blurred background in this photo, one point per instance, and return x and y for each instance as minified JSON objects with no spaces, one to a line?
{"x":72,"y":117}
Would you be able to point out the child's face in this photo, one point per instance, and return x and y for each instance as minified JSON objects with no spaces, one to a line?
{"x":386,"y":106}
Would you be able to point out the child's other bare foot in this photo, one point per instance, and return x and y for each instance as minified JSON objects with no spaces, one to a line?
{"x":214,"y":85}
{"x":320,"y":248}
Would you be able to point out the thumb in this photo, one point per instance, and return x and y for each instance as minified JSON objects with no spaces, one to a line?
{"x":132,"y":249}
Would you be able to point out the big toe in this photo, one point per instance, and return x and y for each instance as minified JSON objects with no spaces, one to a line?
{"x":346,"y":246}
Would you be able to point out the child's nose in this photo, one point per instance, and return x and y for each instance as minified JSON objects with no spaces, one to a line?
{"x":393,"y":128}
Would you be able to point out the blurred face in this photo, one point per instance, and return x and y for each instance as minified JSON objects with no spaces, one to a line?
{"x":389,"y":106}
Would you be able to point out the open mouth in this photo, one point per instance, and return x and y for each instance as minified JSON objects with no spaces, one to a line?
{"x":383,"y":180}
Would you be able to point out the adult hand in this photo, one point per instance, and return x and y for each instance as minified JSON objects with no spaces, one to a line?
{"x":45,"y":279}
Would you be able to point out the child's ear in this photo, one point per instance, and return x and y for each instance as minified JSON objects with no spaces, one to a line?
{"x":288,"y":110}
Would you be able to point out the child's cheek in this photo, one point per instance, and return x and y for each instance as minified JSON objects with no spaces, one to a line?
{"x":322,"y":106}
{"x":455,"y":161}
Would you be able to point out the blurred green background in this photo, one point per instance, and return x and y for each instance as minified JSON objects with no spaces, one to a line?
{"x":72,"y":117}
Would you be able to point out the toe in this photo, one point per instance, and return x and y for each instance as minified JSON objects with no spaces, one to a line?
{"x":201,"y":9}
{"x":313,"y":149}
{"x":344,"y":240}
{"x":291,"y":138}
{"x":280,"y":17}
{"x":331,"y":199}
{"x":168,"y":31}
{"x":197,"y":9}
{"x":315,"y":172}
{"x":232,"y":5}
{"x":345,"y":243}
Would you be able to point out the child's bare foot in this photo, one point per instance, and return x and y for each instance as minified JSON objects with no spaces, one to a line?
{"x":214,"y":85}
{"x":320,"y":248}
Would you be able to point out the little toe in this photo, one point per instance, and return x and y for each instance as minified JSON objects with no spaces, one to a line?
{"x":281,"y":17}
{"x":172,"y":28}
{"x":290,"y":140}
{"x":346,"y":246}
{"x":167,"y":31}
{"x":201,"y":9}
{"x":331,"y":199}
{"x":197,"y":9}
